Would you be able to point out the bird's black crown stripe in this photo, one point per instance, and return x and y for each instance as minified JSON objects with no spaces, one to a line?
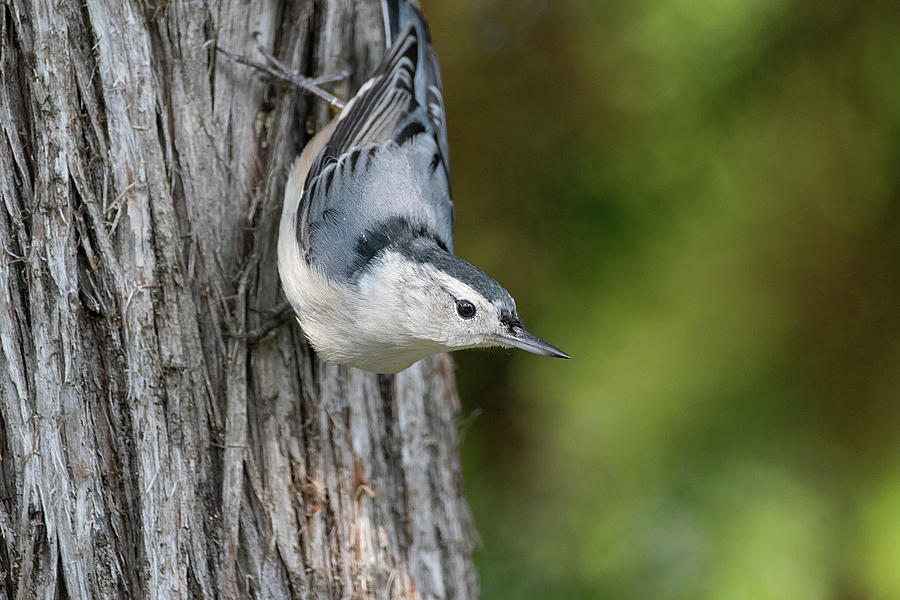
{"x":395,"y":232}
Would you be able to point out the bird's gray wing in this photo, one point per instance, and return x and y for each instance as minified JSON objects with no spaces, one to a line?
{"x":386,"y":162}
{"x":404,"y":94}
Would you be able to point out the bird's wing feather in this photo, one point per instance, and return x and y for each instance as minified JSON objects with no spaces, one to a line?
{"x":387,"y":158}
{"x":407,"y":82}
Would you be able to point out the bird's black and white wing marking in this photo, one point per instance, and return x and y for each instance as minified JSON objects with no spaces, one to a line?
{"x":385,"y":167}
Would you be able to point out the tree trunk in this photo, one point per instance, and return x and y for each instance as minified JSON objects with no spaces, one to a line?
{"x":147,"y":449}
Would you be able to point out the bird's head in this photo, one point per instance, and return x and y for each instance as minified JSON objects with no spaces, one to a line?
{"x":446,"y":303}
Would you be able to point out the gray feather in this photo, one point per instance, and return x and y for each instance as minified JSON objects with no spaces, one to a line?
{"x":387,"y":159}
{"x":389,"y":183}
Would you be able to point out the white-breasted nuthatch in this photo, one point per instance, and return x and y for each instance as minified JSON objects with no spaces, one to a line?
{"x":365,"y":248}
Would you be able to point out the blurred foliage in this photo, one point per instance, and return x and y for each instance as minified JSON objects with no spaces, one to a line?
{"x":701,"y":203}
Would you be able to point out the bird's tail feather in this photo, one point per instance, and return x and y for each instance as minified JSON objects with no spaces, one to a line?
{"x":396,"y":14}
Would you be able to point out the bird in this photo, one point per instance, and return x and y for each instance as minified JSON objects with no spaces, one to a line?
{"x":365,"y":243}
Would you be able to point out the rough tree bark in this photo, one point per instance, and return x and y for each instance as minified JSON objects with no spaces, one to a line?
{"x":147,"y":451}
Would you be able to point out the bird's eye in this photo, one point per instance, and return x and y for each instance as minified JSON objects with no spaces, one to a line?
{"x":465,"y":309}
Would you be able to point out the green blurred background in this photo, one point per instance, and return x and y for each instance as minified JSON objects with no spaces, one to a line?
{"x":700,"y":201}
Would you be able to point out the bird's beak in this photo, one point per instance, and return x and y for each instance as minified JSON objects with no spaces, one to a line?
{"x":517,"y":337}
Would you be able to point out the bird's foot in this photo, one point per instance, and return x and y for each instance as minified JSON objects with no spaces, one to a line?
{"x":282,"y":73}
{"x":274,"y":318}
